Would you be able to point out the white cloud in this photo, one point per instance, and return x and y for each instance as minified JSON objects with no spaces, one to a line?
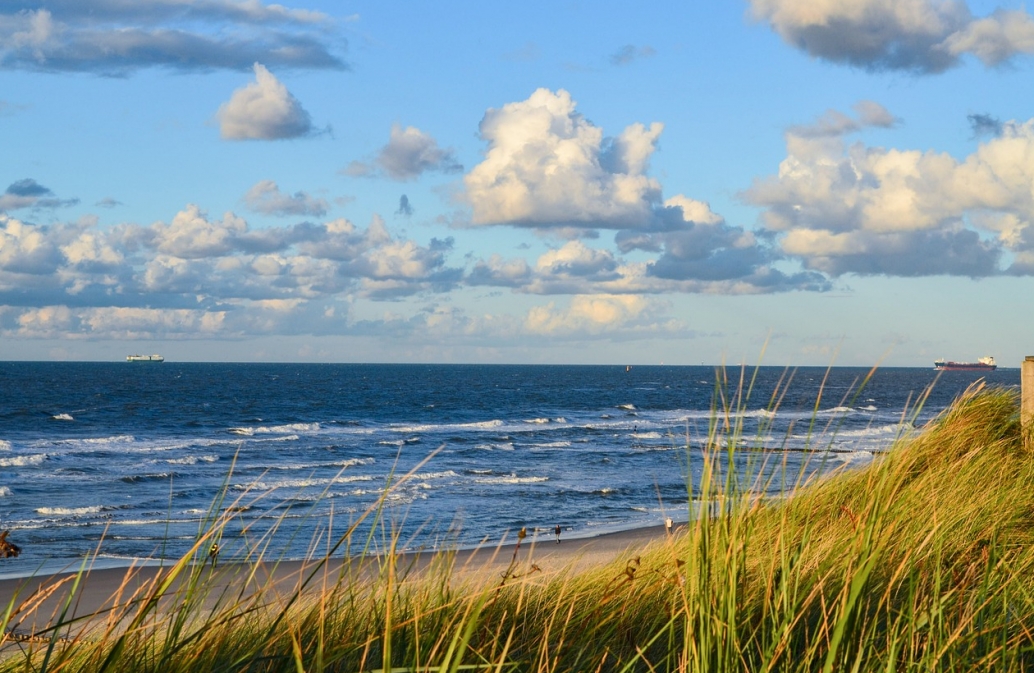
{"x":587,"y":314}
{"x":191,"y":235}
{"x":547,"y":166}
{"x":114,"y":37}
{"x":265,"y":197}
{"x":409,"y":153}
{"x":924,"y":36}
{"x":26,"y":248}
{"x":871,"y":210}
{"x":263,"y":110}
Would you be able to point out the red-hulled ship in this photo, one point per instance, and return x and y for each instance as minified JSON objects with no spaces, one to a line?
{"x":984,"y":364}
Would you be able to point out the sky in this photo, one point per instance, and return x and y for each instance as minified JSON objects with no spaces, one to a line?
{"x":791,"y":182}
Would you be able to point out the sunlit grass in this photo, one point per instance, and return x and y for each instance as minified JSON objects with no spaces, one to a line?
{"x":920,"y":561}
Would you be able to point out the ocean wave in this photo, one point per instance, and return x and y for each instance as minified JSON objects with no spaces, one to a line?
{"x":648,"y":435}
{"x":447,"y":474}
{"x":69,"y":511}
{"x":511,"y":479}
{"x":427,"y":427}
{"x":868,"y":407}
{"x":627,"y":407}
{"x":62,"y":417}
{"x":836,"y":410}
{"x":23,"y":461}
{"x":4,"y":491}
{"x":276,"y":429}
{"x":5,"y":445}
{"x":138,"y":478}
{"x":299,"y":483}
{"x":505,"y":446}
{"x":551,"y":445}
{"x":192,"y":460}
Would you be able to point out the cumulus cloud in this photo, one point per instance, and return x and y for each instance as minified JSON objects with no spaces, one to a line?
{"x":200,"y":274}
{"x":588,"y":314}
{"x":265,"y":197}
{"x":923,"y":36}
{"x":870,"y":210}
{"x":409,"y":153}
{"x":547,"y":166}
{"x":263,"y":110}
{"x":113,"y":37}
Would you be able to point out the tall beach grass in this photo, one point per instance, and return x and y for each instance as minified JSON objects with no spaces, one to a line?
{"x":920,"y":561}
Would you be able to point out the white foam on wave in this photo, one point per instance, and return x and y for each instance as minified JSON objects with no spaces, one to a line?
{"x":99,"y":441}
{"x":648,"y":435}
{"x":511,"y":479}
{"x":5,"y":445}
{"x":299,"y":483}
{"x":505,"y":446}
{"x":62,"y":417}
{"x":478,"y":425}
{"x":837,"y":410}
{"x":854,"y":456}
{"x":4,"y":491}
{"x":276,"y":429}
{"x":192,"y":460}
{"x":868,"y":407}
{"x":447,"y":474}
{"x":23,"y":461}
{"x":552,"y":445}
{"x":627,"y":407}
{"x":69,"y":511}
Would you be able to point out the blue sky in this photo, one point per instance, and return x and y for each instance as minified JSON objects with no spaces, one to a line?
{"x":846,"y":181}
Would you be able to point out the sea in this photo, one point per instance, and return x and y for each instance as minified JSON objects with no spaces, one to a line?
{"x":124,"y":463}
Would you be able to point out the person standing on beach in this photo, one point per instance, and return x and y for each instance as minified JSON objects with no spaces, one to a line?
{"x":557,"y":531}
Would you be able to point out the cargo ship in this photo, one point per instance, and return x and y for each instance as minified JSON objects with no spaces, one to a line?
{"x":984,"y":364}
{"x":145,"y":358}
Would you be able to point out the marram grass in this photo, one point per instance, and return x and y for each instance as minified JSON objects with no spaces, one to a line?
{"x":922,"y":561}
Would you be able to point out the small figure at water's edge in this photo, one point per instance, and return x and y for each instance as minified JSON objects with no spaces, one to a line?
{"x":557,"y":531}
{"x":667,"y":525}
{"x":8,"y":549}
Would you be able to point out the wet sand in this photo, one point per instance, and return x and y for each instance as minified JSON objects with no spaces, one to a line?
{"x":108,"y":591}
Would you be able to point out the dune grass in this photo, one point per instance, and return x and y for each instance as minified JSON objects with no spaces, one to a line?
{"x":921,"y":561}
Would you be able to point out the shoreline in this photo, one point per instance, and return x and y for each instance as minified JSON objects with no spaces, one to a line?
{"x":104,"y":588}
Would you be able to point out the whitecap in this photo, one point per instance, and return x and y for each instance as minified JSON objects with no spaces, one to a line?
{"x":5,"y":445}
{"x":23,"y":461}
{"x":648,"y":435}
{"x":507,"y":446}
{"x":552,"y":445}
{"x":435,"y":475}
{"x":627,"y":407}
{"x":539,"y":421}
{"x":68,"y":511}
{"x":868,"y":408}
{"x":4,"y":491}
{"x":62,"y":417}
{"x":276,"y":429}
{"x":511,"y":479}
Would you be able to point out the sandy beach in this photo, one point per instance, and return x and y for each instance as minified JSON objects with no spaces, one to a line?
{"x":38,"y":601}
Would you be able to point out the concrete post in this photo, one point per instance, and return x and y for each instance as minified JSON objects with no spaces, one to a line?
{"x":1027,"y":399}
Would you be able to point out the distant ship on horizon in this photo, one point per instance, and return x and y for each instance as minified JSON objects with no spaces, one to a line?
{"x":986,"y":363}
{"x":145,"y":358}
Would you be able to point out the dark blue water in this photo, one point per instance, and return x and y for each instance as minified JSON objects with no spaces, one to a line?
{"x":129,"y":458}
